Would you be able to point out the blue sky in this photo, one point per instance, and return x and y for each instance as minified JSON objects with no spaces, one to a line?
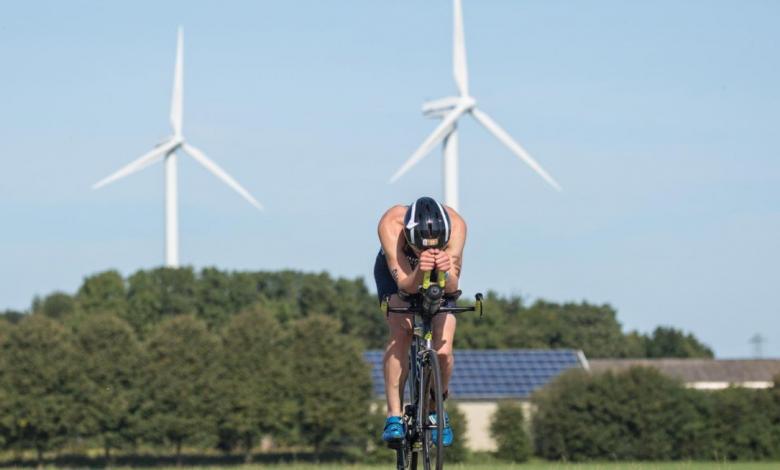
{"x":659,"y":119}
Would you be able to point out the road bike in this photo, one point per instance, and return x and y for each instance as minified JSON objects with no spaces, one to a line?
{"x":424,"y":380}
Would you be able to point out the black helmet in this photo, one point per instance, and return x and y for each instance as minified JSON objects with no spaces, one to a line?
{"x":427,"y":224}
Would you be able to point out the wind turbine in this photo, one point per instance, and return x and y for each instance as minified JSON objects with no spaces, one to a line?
{"x":167,"y":151}
{"x":450,"y":110}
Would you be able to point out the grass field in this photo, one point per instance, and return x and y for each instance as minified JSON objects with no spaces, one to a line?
{"x":476,"y":462}
{"x":532,"y":466}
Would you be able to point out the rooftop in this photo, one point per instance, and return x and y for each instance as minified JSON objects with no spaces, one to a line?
{"x":699,"y":370}
{"x":496,"y":374}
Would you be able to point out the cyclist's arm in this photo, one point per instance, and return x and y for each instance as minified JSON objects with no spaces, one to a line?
{"x":392,"y":240}
{"x":455,"y":250}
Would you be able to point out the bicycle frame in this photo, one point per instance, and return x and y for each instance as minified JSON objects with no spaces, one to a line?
{"x":422,"y":341}
{"x":430,"y":302}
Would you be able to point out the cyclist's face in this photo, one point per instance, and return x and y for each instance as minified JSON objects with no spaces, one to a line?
{"x":417,"y":251}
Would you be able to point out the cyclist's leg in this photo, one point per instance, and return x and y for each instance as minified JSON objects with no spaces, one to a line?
{"x":443,"y":336}
{"x":395,"y":362}
{"x":396,"y":359}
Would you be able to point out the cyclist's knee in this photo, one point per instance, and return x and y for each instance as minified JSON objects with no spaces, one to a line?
{"x":400,"y":328}
{"x":445,"y":353}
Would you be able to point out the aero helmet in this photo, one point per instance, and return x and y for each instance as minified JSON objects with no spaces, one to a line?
{"x":427,"y":224}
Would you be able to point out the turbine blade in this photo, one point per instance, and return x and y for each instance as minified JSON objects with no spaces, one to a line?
{"x":436,"y":136}
{"x":460,"y":70}
{"x":507,"y":140}
{"x":178,"y":85}
{"x":201,"y":158}
{"x":140,"y":163}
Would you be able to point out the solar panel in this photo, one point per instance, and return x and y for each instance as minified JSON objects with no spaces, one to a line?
{"x":494,"y":374}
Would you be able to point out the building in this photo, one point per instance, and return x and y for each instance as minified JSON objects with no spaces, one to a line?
{"x":482,"y":378}
{"x":705,"y":374}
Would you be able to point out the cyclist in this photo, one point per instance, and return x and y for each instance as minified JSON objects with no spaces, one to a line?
{"x":424,"y":236}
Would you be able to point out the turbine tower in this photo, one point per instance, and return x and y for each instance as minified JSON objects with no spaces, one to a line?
{"x":450,"y":110}
{"x":167,"y":151}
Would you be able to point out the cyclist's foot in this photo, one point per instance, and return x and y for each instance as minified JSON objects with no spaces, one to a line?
{"x":394,"y":430}
{"x":447,"y":436}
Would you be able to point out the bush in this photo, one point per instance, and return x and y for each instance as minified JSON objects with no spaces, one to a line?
{"x":642,"y":415}
{"x":458,"y":451}
{"x":741,"y":422}
{"x":507,"y":427}
{"x":377,"y":451}
{"x":636,"y":415}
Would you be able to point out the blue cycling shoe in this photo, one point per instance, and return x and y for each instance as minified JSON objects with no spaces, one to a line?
{"x":394,"y":430}
{"x":447,"y":436}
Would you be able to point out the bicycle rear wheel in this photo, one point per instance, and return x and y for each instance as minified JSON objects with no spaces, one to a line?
{"x":431,"y":399}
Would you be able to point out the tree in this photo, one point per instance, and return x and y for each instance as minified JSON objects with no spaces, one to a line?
{"x":6,"y":422}
{"x":216,"y":301}
{"x":507,"y":426}
{"x":112,"y":359}
{"x":635,"y":345}
{"x":214,"y":296}
{"x":508,"y":323}
{"x":495,"y":329}
{"x":103,"y":292}
{"x":592,"y":328}
{"x":358,"y":311}
{"x":56,"y":305}
{"x":671,"y":342}
{"x":333,"y":385}
{"x":179,"y":382}
{"x":11,"y":316}
{"x":43,"y":383}
{"x":159,"y":294}
{"x":255,"y":380}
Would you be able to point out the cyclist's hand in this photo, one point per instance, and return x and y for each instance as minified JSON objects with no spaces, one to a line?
{"x":427,"y":261}
{"x":443,"y":263}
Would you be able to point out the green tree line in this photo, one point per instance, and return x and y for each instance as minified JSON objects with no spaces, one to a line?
{"x":146,"y":298}
{"x":173,"y":359}
{"x":183,"y":385}
{"x":307,"y":387}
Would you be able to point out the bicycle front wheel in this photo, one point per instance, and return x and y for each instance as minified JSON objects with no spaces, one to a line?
{"x":404,"y":458}
{"x":431,"y":401}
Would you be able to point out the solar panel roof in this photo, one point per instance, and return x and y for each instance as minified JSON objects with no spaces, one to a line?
{"x":495,"y":374}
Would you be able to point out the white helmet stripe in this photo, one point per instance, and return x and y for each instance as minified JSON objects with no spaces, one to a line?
{"x":445,"y":217}
{"x":412,"y":223}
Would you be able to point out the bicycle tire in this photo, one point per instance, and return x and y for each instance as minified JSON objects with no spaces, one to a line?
{"x":412,"y":383}
{"x":404,"y":457}
{"x":432,"y":452}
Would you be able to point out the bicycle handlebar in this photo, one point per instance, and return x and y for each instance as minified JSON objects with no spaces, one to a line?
{"x":432,"y":297}
{"x":418,"y":309}
{"x":427,"y":280}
